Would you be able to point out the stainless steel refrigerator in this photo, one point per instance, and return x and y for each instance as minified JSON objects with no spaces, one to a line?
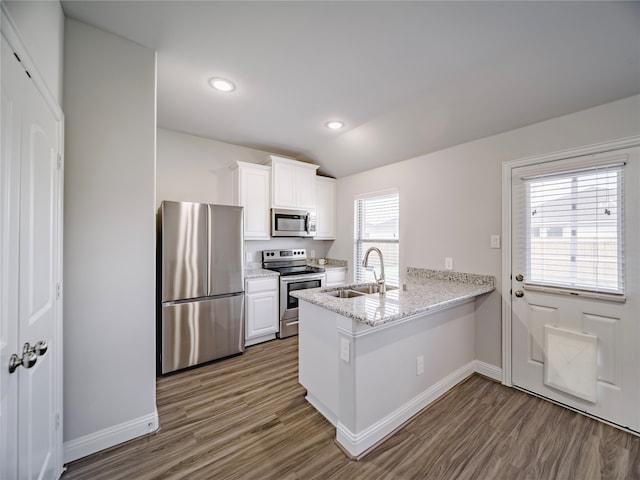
{"x":201,"y":284}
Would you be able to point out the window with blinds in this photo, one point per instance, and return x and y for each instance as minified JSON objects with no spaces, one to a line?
{"x":376,"y":224}
{"x":574,"y":229}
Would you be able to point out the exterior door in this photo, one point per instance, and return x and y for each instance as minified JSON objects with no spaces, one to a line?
{"x":31,"y":310}
{"x":575,"y":286}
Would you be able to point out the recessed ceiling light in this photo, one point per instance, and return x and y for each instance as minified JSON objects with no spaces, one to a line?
{"x":334,"y":124}
{"x":222,"y":85}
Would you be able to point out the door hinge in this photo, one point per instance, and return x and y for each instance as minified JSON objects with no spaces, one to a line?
{"x":58,"y":290}
{"x":59,"y":162}
{"x":57,"y":421}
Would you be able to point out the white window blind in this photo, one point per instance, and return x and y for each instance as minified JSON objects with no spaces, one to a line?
{"x":573,"y":229}
{"x":376,"y":224}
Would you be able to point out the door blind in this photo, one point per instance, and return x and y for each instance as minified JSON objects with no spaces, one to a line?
{"x":376,"y":224}
{"x":573,"y":227}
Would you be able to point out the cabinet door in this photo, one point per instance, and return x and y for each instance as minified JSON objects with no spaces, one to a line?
{"x":305,"y":187}
{"x":284,"y":178}
{"x":255,"y":198}
{"x":325,"y":208}
{"x":262,"y":314}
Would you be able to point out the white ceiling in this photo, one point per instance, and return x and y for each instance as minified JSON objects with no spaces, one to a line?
{"x":407,"y":78}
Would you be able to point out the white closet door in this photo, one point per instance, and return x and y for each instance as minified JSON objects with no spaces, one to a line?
{"x":31,"y":215}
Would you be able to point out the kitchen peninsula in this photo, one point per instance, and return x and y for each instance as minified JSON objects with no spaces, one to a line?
{"x":370,"y":362}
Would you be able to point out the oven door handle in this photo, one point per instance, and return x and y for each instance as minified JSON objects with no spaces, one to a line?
{"x":302,"y":278}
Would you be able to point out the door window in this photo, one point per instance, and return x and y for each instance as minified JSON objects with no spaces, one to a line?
{"x":573,"y":229}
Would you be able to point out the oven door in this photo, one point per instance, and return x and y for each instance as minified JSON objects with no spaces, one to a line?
{"x":289,"y":304}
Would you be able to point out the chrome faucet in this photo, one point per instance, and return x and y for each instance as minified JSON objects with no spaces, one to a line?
{"x":365,"y":264}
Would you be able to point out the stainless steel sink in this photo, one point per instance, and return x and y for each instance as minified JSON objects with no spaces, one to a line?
{"x":353,"y":292}
{"x":345,"y":293}
{"x":369,"y":289}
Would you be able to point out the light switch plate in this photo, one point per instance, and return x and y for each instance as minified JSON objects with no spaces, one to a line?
{"x":495,"y":241}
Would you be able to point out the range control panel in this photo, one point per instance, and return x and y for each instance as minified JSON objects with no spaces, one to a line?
{"x":297,"y":253}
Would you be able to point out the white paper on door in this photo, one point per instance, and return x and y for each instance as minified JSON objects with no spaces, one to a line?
{"x":571,"y":362}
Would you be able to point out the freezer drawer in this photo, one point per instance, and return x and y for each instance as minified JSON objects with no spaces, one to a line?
{"x":200,"y":331}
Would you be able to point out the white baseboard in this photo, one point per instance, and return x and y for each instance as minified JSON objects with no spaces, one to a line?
{"x":358,"y":444}
{"x":94,"y":442}
{"x":488,"y":370}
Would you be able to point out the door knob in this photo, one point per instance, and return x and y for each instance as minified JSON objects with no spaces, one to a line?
{"x":29,"y":357}
{"x":519,"y":293}
{"x":39,"y":348}
{"x":14,"y":362}
{"x":27,"y":360}
{"x":519,"y":277}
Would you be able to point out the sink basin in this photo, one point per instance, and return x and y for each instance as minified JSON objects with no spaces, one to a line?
{"x":345,"y":293}
{"x":369,"y":289}
{"x":352,"y":292}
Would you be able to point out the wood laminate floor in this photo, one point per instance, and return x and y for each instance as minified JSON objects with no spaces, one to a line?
{"x":246,"y":418}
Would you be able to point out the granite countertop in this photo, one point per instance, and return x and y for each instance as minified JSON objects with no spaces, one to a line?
{"x":426,"y":290}
{"x":257,"y":272}
{"x":331,"y":264}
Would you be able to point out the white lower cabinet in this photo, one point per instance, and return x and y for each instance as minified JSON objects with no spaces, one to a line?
{"x":335,"y":276}
{"x":261,"y":320}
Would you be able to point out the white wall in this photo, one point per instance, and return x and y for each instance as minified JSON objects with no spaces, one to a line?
{"x":450,"y":201}
{"x":109,"y":254}
{"x":196,"y":169}
{"x":41,"y":28}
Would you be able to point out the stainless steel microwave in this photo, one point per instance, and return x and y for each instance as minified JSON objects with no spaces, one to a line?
{"x":293,"y":223}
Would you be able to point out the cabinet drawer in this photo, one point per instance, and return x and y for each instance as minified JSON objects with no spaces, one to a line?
{"x":255,"y":285}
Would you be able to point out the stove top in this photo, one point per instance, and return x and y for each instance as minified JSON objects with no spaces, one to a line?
{"x":296,"y":270}
{"x":288,"y":262}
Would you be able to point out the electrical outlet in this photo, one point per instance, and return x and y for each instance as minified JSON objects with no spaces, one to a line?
{"x":313,"y":254}
{"x":495,"y":241}
{"x":248,"y":256}
{"x":448,"y":263}
{"x":420,"y":365}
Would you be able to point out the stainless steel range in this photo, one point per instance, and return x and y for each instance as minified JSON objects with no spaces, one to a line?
{"x":295,"y":274}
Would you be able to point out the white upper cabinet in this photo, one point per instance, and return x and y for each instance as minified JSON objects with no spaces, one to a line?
{"x":251,"y":189}
{"x":325,"y":208}
{"x":293,"y":183}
